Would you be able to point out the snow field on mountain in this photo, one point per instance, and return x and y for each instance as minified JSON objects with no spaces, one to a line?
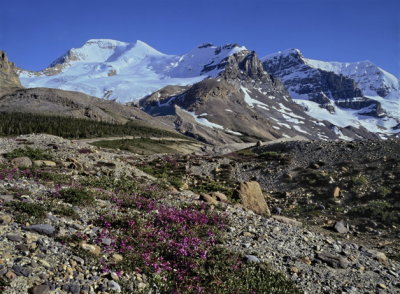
{"x":127,"y":72}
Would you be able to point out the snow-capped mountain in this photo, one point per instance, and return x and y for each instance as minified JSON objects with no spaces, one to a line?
{"x":216,"y":92}
{"x":345,"y":94}
{"x":127,"y":71}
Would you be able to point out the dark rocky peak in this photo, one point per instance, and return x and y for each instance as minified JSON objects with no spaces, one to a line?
{"x":244,"y":65}
{"x":283,"y":60}
{"x":205,"y":45}
{"x":8,"y":77}
{"x":67,"y":57}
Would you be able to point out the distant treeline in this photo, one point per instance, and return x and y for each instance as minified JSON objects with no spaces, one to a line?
{"x":12,"y":124}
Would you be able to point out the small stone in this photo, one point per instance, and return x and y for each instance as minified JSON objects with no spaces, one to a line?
{"x":209,"y":199}
{"x":248,"y":234}
{"x":106,"y":241}
{"x":93,"y":249}
{"x":14,"y":237}
{"x":340,"y":227}
{"x":114,"y":286}
{"x":44,"y":263}
{"x":22,"y":248}
{"x":114,"y":276}
{"x":21,"y":162}
{"x":78,"y":259}
{"x":117,"y":257}
{"x":380,"y":256}
{"x":5,"y":219}
{"x":294,"y":270}
{"x":142,"y":285}
{"x":306,"y":260}
{"x":333,"y":260}
{"x":219,"y":196}
{"x":10,"y":275}
{"x":41,"y":289}
{"x":286,"y":220}
{"x":47,"y":163}
{"x":252,"y":258}
{"x":382,"y":286}
{"x":75,"y":288}
{"x":336,"y":192}
{"x":44,"y":229}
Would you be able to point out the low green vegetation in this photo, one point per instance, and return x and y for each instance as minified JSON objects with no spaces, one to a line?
{"x":379,"y":210}
{"x":166,"y":168}
{"x":213,"y":186}
{"x":117,"y":185}
{"x":32,"y":153}
{"x":77,"y":196}
{"x":359,"y":180}
{"x":12,"y":124}
{"x":28,"y":212}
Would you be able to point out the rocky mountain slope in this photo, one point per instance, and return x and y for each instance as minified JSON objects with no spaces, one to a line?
{"x":357,"y":94}
{"x":93,"y":220}
{"x":243,"y":100}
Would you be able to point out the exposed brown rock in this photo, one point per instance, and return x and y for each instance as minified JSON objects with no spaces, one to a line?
{"x":252,"y":198}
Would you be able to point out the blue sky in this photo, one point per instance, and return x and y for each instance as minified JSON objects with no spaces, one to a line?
{"x":35,"y":32}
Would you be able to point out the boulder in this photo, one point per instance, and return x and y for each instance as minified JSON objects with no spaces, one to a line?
{"x":47,"y":163}
{"x":41,"y":289}
{"x":336,"y":192}
{"x":44,"y":229}
{"x":341,"y":227}
{"x":21,"y":162}
{"x":5,"y":219}
{"x":209,"y":199}
{"x":219,"y":196}
{"x":252,"y":198}
{"x":252,"y":259}
{"x":334,"y":261}
{"x":93,"y":249}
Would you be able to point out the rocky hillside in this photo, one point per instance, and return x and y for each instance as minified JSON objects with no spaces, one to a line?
{"x":9,"y":80}
{"x":53,"y":102}
{"x":73,"y":104}
{"x":358,"y":94}
{"x":79,"y":219}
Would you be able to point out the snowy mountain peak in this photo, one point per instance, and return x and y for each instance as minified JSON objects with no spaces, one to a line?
{"x":344,"y":93}
{"x":104,"y":43}
{"x":204,"y":60}
{"x":296,"y":53}
{"x":127,"y":71}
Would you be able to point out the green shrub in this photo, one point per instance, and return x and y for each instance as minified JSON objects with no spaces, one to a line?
{"x":26,"y":211}
{"x":32,"y":153}
{"x":76,"y":196}
{"x":122,"y":184}
{"x":212,"y":186}
{"x":359,"y":180}
{"x":378,"y":210}
{"x":63,"y":210}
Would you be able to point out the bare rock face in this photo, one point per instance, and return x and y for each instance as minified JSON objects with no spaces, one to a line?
{"x":252,"y":198}
{"x":9,"y":80}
